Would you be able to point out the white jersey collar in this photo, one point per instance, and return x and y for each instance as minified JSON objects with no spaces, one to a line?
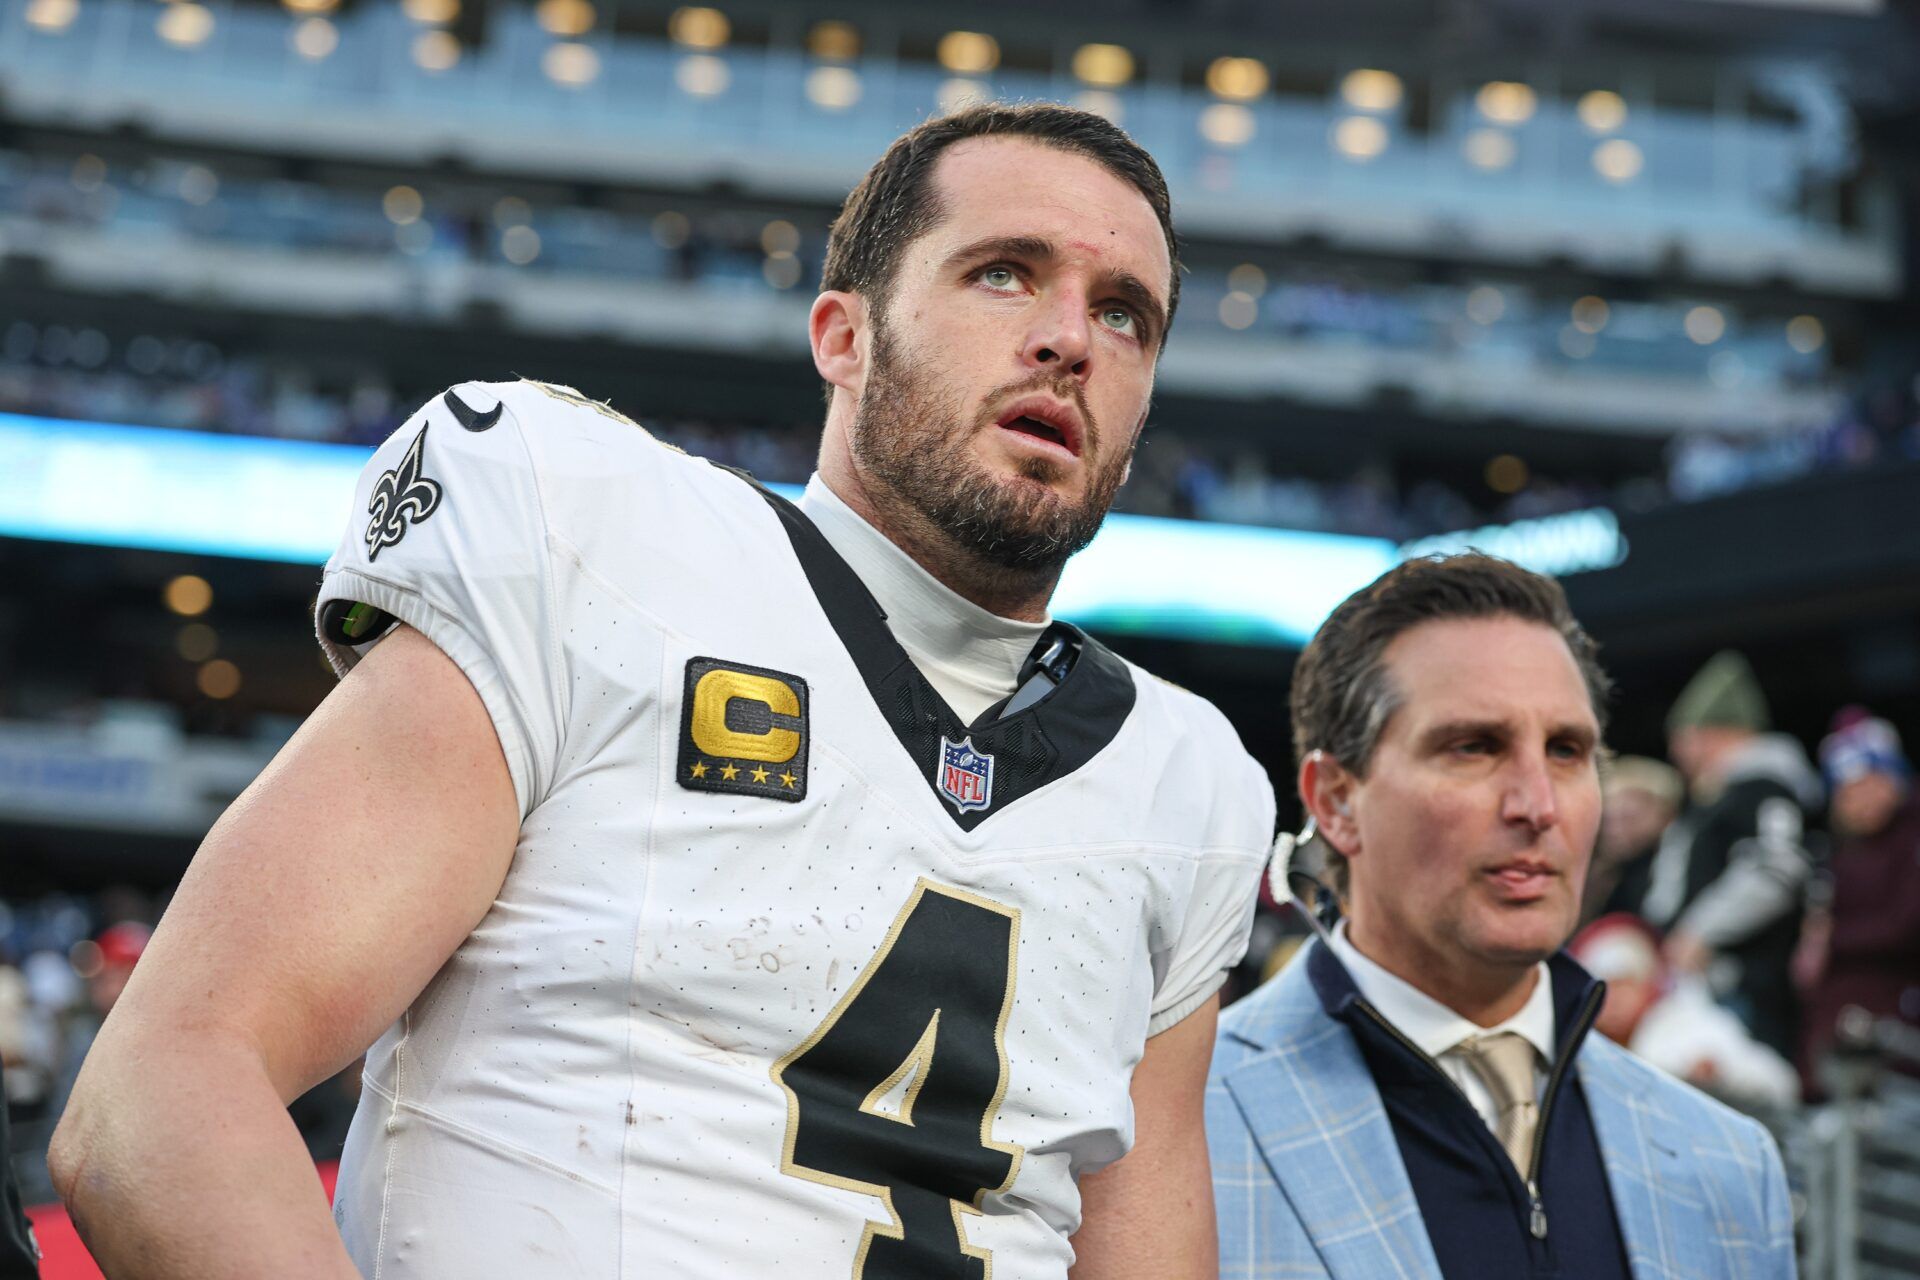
{"x":970,"y":655}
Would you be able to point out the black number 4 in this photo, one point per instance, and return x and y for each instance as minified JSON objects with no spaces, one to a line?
{"x":895,"y":1093}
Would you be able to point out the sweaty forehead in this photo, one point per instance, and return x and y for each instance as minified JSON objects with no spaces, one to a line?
{"x":1006,"y":187}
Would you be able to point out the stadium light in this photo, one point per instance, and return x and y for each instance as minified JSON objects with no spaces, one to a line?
{"x":1806,"y":334}
{"x":1102,"y":103}
{"x":1359,"y":138}
{"x":1506,"y":101}
{"x":834,"y":40}
{"x":781,"y":270}
{"x":702,"y":75}
{"x":1237,"y":79}
{"x":1486,"y":304}
{"x":436,"y":51}
{"x":1705,"y":325}
{"x":1602,"y":110}
{"x":311,"y":6}
{"x":1239,"y":310}
{"x":570,"y":63}
{"x":196,"y":642}
{"x":1577,"y":343}
{"x":1590,"y":314}
{"x":1227,"y":124}
{"x":968,"y":53}
{"x":520,"y":245}
{"x":218,"y":679}
{"x":1368,"y":89}
{"x":402,"y":205}
{"x":1105,"y":66}
{"x":314,"y":38}
{"x":1489,"y":149}
{"x":1248,"y":279}
{"x":779,"y":239}
{"x":566,"y":18}
{"x":430,"y":13}
{"x":699,"y":28}
{"x":1618,"y":160}
{"x":185,"y":24}
{"x":959,"y":93}
{"x":51,"y":17}
{"x":188,"y":595}
{"x":833,"y":88}
{"x":1506,"y":474}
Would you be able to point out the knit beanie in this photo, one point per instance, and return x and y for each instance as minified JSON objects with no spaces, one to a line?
{"x":1861,"y":744}
{"x":1725,"y":694}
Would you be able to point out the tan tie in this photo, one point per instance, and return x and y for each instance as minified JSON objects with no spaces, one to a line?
{"x":1505,"y":1063}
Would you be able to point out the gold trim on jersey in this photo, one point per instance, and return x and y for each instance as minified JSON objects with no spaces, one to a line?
{"x":893,"y":1228}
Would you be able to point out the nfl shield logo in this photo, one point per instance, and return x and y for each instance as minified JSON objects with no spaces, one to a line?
{"x":966,"y":775}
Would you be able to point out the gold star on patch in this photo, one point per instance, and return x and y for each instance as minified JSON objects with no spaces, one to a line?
{"x":729,"y":772}
{"x":787,"y":780}
{"x":700,"y":769}
{"x":759,"y":774}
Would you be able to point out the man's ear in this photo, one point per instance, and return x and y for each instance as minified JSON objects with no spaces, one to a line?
{"x":1327,"y":789}
{"x":835,"y":328}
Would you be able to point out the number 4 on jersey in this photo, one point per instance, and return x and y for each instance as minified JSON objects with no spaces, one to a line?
{"x":895,"y":1093}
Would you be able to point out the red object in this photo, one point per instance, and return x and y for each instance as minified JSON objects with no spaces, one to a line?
{"x":121,"y":944}
{"x":63,"y":1257}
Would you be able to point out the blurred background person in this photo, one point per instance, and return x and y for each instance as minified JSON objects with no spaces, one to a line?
{"x":1671,"y":1020}
{"x":1729,"y":881}
{"x":1865,"y":943}
{"x":1639,"y":798}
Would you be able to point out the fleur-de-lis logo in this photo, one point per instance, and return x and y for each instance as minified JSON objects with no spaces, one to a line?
{"x":402,"y":496}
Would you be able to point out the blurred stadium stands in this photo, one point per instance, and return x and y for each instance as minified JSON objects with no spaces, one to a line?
{"x":1625,"y":287}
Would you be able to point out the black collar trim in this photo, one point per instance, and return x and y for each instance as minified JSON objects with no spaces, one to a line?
{"x":1023,"y":752}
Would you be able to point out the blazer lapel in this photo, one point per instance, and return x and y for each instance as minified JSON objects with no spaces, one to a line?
{"x":1316,"y":1115}
{"x":1639,"y":1145}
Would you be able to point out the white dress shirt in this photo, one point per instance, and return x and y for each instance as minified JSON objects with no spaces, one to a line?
{"x":1439,"y":1031}
{"x":970,"y":655}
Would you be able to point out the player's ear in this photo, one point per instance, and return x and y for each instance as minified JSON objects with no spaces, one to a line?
{"x":1327,"y":790}
{"x":834,"y":328}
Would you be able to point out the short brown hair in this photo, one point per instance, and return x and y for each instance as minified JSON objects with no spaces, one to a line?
{"x":896,"y":202}
{"x":1343,"y":695}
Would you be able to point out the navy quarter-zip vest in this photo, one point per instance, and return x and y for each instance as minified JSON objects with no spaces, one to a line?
{"x":1482,"y":1218}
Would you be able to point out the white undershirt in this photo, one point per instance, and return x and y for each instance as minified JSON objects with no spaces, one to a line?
{"x":970,"y":656}
{"x":1439,"y":1031}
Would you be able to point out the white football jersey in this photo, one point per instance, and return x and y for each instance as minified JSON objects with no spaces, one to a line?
{"x":793,"y":973}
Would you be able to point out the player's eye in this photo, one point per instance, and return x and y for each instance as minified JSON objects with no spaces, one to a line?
{"x":1000,"y":277}
{"x":1120,"y":320}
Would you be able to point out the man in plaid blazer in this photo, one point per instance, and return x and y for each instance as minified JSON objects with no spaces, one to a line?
{"x":1416,"y":1096}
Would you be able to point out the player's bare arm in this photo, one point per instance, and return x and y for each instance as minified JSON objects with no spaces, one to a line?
{"x":1150,"y":1215}
{"x":316,"y":909}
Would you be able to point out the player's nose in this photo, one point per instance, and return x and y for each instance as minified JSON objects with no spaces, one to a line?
{"x":1059,"y":333}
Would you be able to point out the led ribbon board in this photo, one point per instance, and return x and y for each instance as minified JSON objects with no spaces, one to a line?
{"x":289,"y":500}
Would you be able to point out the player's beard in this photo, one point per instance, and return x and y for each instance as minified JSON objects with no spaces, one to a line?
{"x":920,"y":450}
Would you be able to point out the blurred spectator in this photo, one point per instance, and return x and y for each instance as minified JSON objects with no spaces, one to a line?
{"x":1639,"y":798}
{"x":1866,"y":945}
{"x":19,"y":1254}
{"x":106,"y":963}
{"x":1729,"y":879}
{"x":1671,"y":1020}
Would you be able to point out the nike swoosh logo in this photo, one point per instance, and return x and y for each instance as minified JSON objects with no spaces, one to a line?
{"x":468,"y":417}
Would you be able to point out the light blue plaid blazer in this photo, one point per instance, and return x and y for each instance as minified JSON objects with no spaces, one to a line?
{"x":1308,"y":1181}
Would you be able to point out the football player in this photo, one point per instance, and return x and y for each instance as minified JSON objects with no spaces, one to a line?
{"x":734,"y":887}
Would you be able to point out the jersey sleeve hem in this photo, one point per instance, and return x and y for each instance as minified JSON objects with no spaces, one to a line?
{"x":453,"y":640}
{"x":1174,"y":1014}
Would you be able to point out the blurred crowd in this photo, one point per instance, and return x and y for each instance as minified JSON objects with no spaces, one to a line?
{"x":1755,"y":911}
{"x":64,"y":962}
{"x":60,"y":372}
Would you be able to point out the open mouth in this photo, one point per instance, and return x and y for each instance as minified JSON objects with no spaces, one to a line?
{"x":1028,"y":426}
